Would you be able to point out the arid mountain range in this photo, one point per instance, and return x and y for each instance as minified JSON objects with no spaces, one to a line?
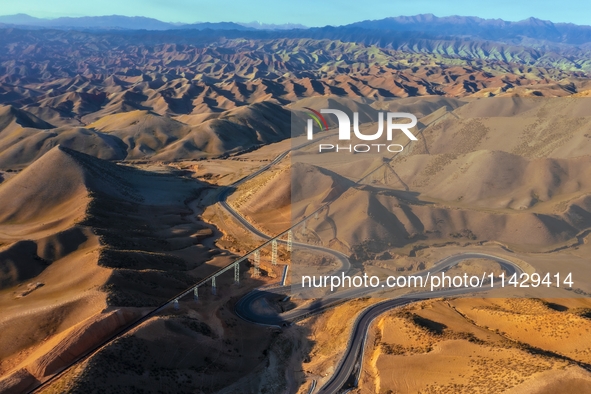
{"x":119,"y":22}
{"x":117,"y":146}
{"x":170,"y":96}
{"x":427,"y":24}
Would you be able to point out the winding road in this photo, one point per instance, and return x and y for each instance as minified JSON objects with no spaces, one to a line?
{"x":347,"y":372}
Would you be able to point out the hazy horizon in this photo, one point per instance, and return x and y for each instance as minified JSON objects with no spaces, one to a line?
{"x":308,"y":13}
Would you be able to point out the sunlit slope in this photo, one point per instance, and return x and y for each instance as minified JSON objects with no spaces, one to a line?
{"x":142,"y":134}
{"x":511,"y":170}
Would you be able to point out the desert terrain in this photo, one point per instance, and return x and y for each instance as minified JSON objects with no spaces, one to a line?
{"x":117,"y":147}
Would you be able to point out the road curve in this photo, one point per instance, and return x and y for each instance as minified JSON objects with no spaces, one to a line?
{"x":288,"y":317}
{"x":248,"y":309}
{"x":347,"y":372}
{"x":167,"y":304}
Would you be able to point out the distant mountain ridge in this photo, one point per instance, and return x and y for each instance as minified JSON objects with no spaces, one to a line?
{"x":381,"y":32}
{"x":488,"y":29}
{"x":120,"y":22}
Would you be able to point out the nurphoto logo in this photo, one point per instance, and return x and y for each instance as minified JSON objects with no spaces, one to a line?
{"x":392,"y":119}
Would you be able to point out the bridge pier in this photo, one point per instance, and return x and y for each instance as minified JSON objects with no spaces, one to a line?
{"x":257,"y":262}
{"x":213,"y":287}
{"x":196,"y":293}
{"x":274,"y":252}
{"x":175,"y":304}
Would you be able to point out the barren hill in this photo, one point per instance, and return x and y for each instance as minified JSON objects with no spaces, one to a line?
{"x":160,"y":97}
{"x":144,"y":135}
{"x":81,"y":234}
{"x":89,"y":241}
{"x":511,"y":170}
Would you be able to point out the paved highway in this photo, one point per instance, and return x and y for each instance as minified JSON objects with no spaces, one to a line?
{"x":348,"y":369}
{"x":249,"y":306}
{"x":222,"y":196}
{"x":346,"y":375}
